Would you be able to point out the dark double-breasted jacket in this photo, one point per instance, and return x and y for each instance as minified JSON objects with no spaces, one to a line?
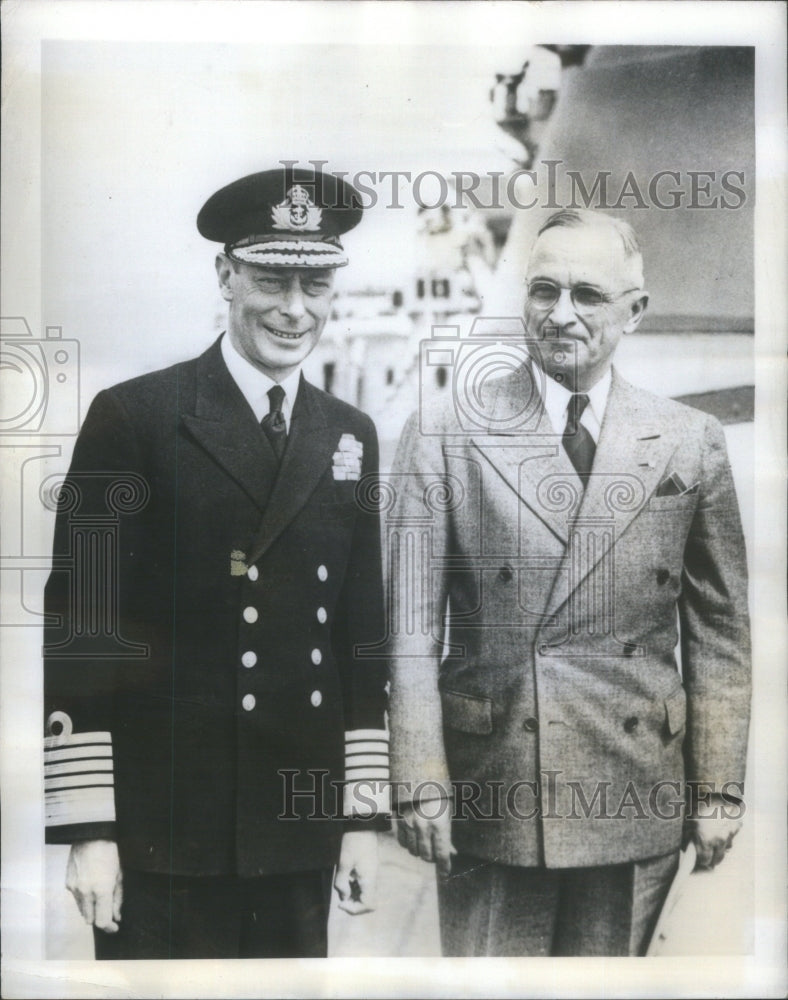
{"x":207,"y":616}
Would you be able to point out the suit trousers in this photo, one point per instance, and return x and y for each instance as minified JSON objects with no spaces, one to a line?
{"x":500,"y":910}
{"x":176,"y":916}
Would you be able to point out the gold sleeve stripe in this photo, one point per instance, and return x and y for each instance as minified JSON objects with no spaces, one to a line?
{"x":83,"y":805}
{"x":364,"y":799}
{"x":78,"y":778}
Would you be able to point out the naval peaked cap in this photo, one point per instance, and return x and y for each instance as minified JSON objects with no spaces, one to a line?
{"x":286,"y":217}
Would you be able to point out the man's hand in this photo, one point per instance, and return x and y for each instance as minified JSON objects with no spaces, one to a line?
{"x":94,"y":879}
{"x":712,"y":830}
{"x":357,"y":871}
{"x":428,"y":839}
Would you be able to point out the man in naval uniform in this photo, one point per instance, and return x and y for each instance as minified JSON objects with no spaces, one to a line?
{"x":583,"y":526}
{"x":222,"y":746}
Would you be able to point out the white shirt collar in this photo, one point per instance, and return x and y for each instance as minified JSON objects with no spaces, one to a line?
{"x":556,"y":402}
{"x":255,"y":384}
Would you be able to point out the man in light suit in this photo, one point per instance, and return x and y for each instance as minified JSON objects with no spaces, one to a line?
{"x":572,"y":535}
{"x":215,"y":736}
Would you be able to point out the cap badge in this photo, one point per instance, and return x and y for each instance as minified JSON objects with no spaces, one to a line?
{"x":297,"y":211}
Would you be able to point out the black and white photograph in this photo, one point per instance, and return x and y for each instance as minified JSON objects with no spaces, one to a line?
{"x":393,"y":499}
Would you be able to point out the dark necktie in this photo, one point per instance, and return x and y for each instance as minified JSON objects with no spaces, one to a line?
{"x":577,"y":440}
{"x":273,"y":423}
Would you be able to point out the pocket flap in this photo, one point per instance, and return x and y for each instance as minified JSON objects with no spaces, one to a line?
{"x":676,"y":711}
{"x":466,"y":712}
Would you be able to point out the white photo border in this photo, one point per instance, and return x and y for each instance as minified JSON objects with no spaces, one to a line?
{"x":26,"y":973}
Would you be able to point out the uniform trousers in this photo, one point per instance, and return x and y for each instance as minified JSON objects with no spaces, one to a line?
{"x":491,"y":909}
{"x":176,"y":916}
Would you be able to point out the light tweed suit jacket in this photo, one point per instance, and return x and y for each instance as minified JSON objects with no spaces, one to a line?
{"x":558,"y":709}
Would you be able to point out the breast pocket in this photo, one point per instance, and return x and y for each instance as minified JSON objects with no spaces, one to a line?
{"x":678,"y":503}
{"x":467,"y":713}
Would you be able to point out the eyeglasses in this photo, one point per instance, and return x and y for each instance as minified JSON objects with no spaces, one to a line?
{"x":544,"y":294}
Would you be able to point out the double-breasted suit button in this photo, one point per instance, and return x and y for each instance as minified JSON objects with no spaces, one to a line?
{"x":631,"y":724}
{"x":662,"y":576}
{"x":317,"y":657}
{"x":316,"y":698}
{"x":531,"y":724}
{"x":322,"y":573}
{"x":248,"y":702}
{"x":505,"y":574}
{"x":253,"y":573}
{"x":249,"y":658}
{"x":250,"y":615}
{"x":322,"y":615}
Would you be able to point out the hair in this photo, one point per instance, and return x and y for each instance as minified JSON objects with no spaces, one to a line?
{"x":576,"y":217}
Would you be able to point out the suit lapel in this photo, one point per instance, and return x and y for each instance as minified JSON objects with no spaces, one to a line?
{"x":632,"y":448}
{"x":224,"y":424}
{"x":632,"y":453}
{"x":525,"y":455}
{"x":310,"y":446}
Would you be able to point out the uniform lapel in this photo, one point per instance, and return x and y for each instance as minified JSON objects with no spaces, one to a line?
{"x":224,"y":424}
{"x":525,"y":457}
{"x":632,"y":453}
{"x":310,"y":446}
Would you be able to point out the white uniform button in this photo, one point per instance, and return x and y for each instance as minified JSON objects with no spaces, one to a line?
{"x":317,"y":657}
{"x":249,"y":659}
{"x":250,"y":615}
{"x":253,"y":573}
{"x":322,"y":573}
{"x":322,"y":615}
{"x":248,"y":702}
{"x":316,"y":698}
